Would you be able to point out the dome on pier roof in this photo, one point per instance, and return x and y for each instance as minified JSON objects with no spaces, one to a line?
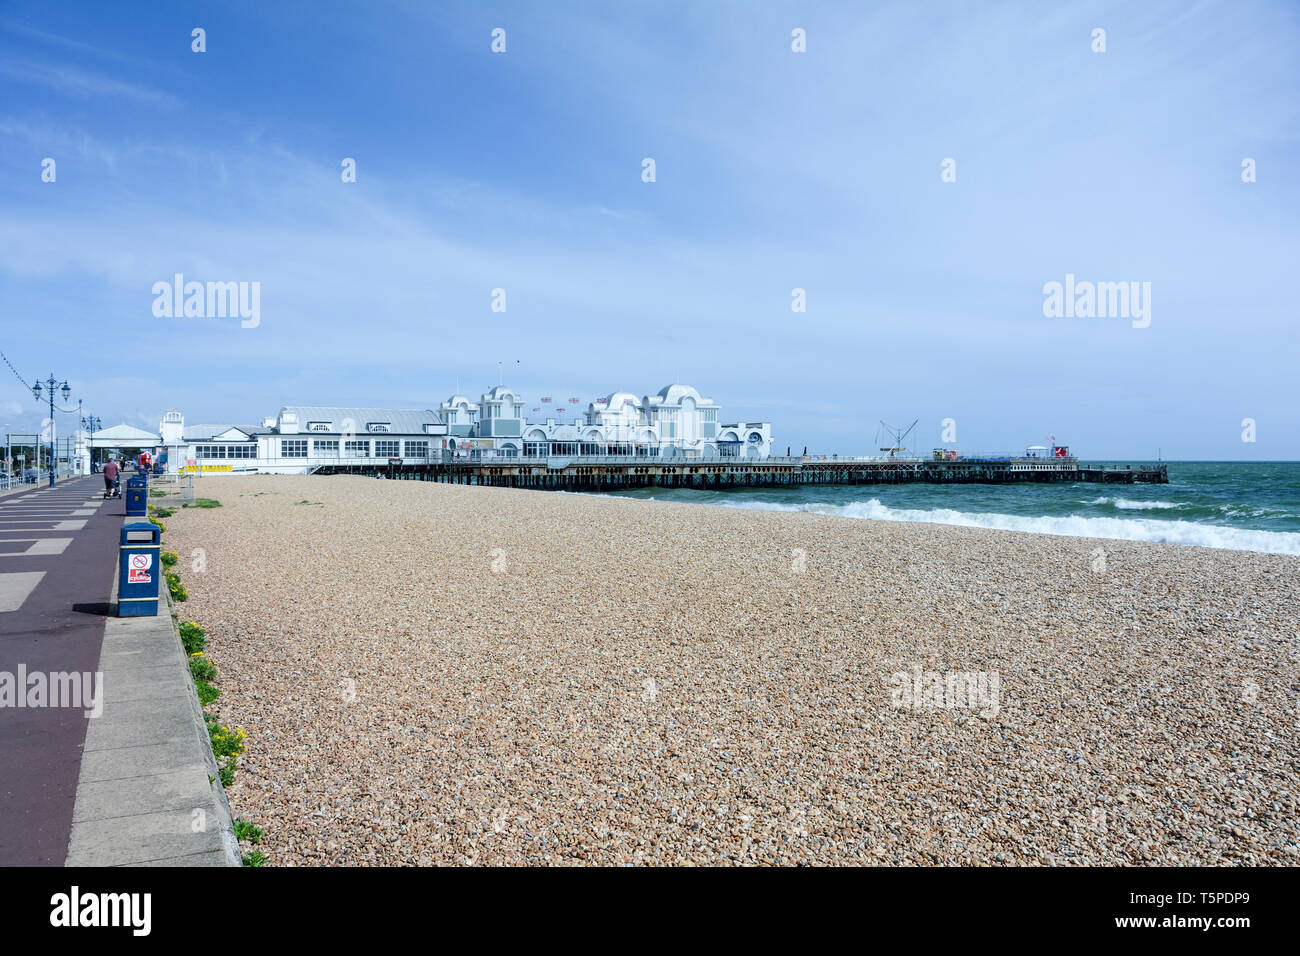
{"x":616,"y":400}
{"x":673,"y":395}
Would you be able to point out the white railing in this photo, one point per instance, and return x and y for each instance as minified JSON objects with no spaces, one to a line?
{"x":677,"y":461}
{"x":317,"y":461}
{"x":310,"y":462}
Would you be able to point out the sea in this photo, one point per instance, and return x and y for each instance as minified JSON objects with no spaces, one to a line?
{"x":1243,"y":506}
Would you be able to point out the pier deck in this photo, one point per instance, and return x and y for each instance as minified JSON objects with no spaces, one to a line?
{"x":617,"y":474}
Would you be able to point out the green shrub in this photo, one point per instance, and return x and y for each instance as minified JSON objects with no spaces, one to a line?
{"x":245,"y":830}
{"x":164,"y":512}
{"x":256,"y":858}
{"x":204,"y":503}
{"x":192,"y":636}
{"x":207,"y":693}
{"x":154,"y":520}
{"x":201,"y":668}
{"x":225,"y":742}
{"x":168,"y":558}
{"x":227,"y":745}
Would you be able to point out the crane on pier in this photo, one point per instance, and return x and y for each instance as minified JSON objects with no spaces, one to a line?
{"x":896,"y":435}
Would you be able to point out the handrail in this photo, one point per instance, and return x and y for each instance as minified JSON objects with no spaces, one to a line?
{"x":557,"y":462}
{"x":554,"y":461}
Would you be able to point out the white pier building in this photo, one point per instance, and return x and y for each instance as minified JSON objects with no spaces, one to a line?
{"x":676,"y":422}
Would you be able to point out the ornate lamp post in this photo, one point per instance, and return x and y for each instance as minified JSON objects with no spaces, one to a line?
{"x":50,"y":384}
{"x":91,"y":424}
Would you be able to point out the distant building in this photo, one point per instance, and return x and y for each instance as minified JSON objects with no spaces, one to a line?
{"x":677,"y":422}
{"x":303,"y":438}
{"x":122,"y":442}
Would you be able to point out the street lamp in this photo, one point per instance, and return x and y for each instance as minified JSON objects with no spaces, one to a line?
{"x":92,"y":424}
{"x":50,"y":384}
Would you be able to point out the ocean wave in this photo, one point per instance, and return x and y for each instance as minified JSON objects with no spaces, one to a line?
{"x":1127,"y":529}
{"x":1128,"y":504}
{"x":1236,"y":511}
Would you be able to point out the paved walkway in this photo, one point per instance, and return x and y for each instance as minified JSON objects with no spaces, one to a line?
{"x":142,"y":792}
{"x":149,"y":792}
{"x":57,"y":550}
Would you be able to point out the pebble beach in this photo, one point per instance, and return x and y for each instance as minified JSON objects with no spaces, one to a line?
{"x":440,"y":674}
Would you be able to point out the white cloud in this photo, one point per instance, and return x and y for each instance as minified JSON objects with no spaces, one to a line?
{"x":84,"y":83}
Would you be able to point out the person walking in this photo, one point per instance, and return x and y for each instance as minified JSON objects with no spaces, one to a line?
{"x":110,"y":477}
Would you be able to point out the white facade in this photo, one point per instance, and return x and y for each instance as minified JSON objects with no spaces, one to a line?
{"x":677,"y":422}
{"x":747,"y":439}
{"x":460,"y":414}
{"x":303,"y":439}
{"x":119,"y":441}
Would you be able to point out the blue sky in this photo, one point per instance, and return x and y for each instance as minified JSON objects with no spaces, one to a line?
{"x":775,"y":170}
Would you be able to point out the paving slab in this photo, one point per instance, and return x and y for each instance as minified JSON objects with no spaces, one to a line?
{"x":143,"y":838}
{"x":130,"y":684}
{"x":203,"y":858}
{"x":132,"y":723}
{"x":149,"y":791}
{"x":123,"y":763}
{"x":185,"y":788}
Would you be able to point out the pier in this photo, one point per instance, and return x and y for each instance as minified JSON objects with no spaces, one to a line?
{"x":612,"y":473}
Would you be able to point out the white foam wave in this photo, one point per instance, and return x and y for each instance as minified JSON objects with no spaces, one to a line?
{"x":1128,"y":529}
{"x":1128,"y":504}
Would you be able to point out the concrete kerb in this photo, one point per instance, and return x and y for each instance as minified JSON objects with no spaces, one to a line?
{"x":148,"y":771}
{"x":225,"y":820}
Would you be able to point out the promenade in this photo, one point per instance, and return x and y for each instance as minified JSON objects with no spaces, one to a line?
{"x":118,"y":769}
{"x":57,"y":554}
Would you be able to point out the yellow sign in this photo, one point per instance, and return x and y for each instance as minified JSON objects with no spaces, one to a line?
{"x":200,"y":469}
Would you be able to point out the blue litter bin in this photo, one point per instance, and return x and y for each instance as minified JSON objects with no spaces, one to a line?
{"x":138,"y":571}
{"x":137,"y":497}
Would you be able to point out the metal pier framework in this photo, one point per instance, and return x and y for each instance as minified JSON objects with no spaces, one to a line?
{"x":620,"y":474}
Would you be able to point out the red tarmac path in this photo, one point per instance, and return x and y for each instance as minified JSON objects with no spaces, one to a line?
{"x":56,"y":570}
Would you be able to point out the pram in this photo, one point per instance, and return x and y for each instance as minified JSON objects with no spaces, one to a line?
{"x":116,"y":490}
